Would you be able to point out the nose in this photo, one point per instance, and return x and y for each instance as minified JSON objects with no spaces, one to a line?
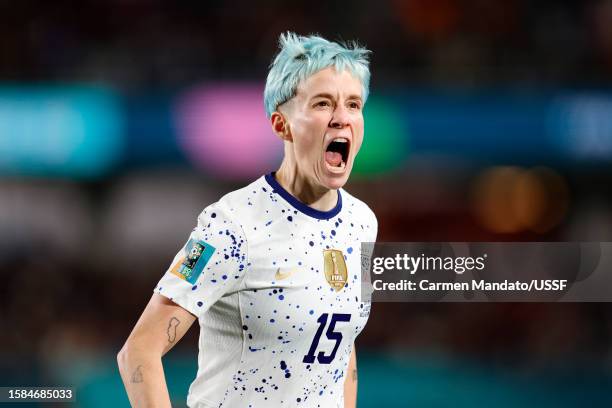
{"x":340,"y":118}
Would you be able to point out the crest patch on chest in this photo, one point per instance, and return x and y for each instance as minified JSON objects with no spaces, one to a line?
{"x":335,"y":268}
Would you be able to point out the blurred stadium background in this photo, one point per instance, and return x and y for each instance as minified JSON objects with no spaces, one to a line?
{"x":121,"y":120}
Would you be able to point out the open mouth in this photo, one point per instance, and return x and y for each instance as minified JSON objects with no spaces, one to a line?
{"x":336,"y":154}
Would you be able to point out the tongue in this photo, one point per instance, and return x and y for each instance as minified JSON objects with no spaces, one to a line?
{"x":333,"y":158}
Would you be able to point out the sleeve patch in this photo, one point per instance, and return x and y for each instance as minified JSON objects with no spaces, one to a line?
{"x":192,"y":263}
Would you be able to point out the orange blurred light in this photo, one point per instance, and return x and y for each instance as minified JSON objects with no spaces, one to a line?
{"x":493,"y":199}
{"x":511,"y":199}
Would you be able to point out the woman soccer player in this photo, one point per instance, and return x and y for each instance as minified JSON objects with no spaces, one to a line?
{"x":272,"y":271}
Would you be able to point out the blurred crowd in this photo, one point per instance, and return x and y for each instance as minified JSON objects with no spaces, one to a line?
{"x":142,"y":44}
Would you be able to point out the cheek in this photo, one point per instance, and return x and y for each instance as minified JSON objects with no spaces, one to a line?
{"x":358,"y":136}
{"x":308,"y":136}
{"x":306,"y":145}
{"x":357,"y":146}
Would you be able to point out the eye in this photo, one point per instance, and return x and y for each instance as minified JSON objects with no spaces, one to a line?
{"x":354,"y":105}
{"x":322,"y":103}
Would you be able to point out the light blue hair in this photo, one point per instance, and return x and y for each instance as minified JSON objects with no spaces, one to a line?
{"x":300,"y":57}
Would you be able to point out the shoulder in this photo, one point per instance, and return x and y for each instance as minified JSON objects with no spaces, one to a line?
{"x":234,"y":207}
{"x":356,"y":206}
{"x":358,"y":209}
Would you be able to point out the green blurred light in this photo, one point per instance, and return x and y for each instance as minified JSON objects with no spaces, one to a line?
{"x":386,"y":140}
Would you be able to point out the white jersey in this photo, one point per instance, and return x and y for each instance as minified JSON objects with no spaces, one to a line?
{"x":276,"y":286}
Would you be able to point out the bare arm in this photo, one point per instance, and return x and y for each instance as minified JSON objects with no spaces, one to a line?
{"x":350,"y":382}
{"x":162,"y":324}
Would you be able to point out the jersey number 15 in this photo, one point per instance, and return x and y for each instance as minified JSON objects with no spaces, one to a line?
{"x":331,"y":335}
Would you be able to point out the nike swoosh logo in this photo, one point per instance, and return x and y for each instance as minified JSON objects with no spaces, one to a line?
{"x":280,"y":275}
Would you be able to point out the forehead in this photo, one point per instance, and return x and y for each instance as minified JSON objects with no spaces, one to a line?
{"x":330,"y":81}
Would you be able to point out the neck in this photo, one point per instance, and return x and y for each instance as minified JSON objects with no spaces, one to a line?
{"x":315,"y":196}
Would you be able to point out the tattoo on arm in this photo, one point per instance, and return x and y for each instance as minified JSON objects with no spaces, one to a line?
{"x":172,"y":325}
{"x":355,"y":375}
{"x":137,"y":375}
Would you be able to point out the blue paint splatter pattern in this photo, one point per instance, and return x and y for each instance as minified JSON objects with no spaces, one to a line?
{"x":261,"y":298}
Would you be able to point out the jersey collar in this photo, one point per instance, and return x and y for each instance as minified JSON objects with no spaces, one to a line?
{"x":300,"y":206}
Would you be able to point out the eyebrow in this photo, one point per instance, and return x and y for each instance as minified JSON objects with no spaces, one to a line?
{"x":330,"y":96}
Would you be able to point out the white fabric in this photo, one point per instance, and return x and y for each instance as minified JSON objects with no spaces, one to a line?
{"x":258,"y":322}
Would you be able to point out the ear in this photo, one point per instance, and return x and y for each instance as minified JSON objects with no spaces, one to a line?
{"x":280,"y":126}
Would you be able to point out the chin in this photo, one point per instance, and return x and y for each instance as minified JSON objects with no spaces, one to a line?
{"x":336,"y":181}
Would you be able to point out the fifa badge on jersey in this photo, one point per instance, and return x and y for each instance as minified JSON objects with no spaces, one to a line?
{"x":335,"y":268}
{"x":190,"y":266}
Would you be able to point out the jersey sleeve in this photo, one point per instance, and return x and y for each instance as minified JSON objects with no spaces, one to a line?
{"x":211,"y":264}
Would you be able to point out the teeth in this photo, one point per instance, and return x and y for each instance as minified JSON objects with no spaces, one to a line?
{"x":340,"y":140}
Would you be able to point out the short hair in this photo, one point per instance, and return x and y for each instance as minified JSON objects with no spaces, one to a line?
{"x":300,"y":57}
